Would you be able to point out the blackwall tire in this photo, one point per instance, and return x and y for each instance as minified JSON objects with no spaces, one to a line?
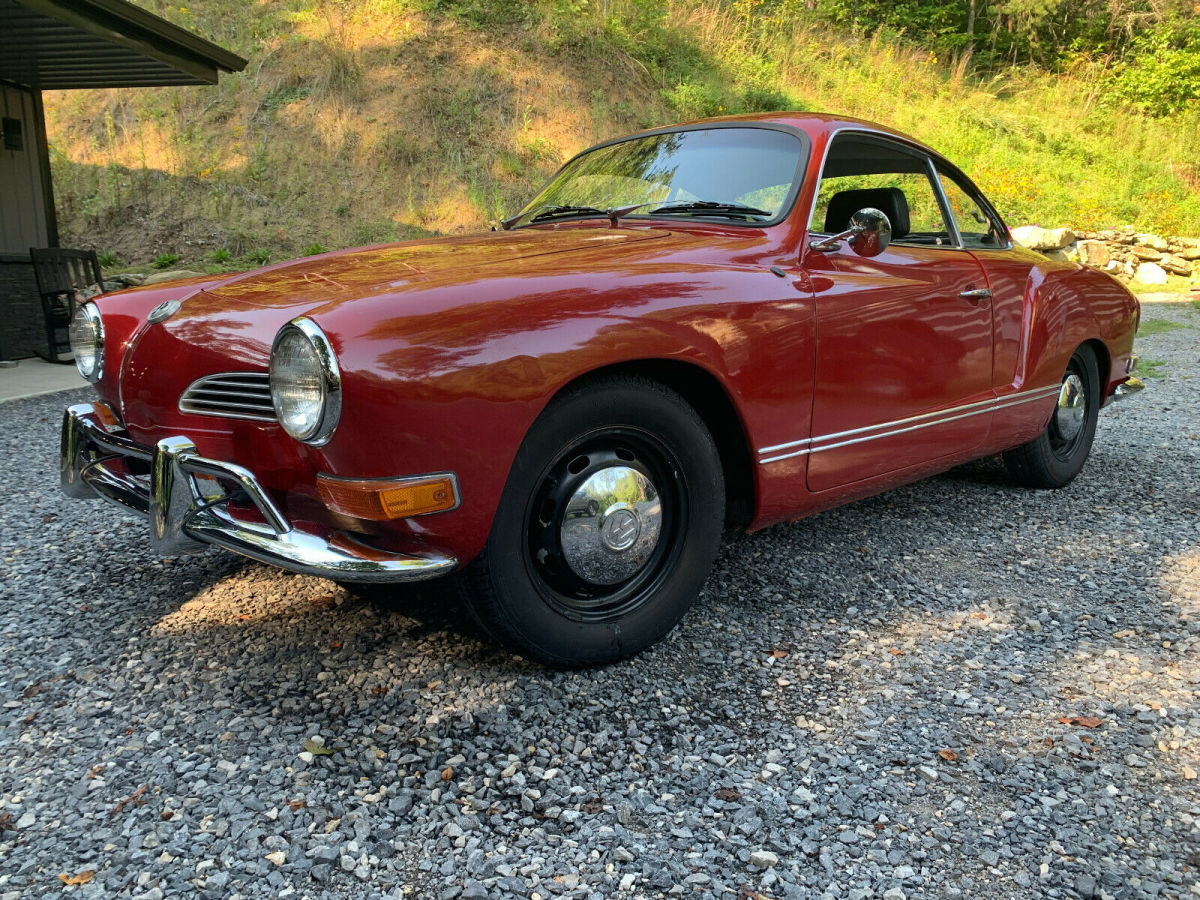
{"x":1057,"y":455}
{"x":606,"y":529}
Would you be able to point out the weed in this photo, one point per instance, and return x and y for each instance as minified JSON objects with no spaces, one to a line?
{"x":1159,"y":327}
{"x":258,"y":256}
{"x":108,"y":259}
{"x":220,"y":256}
{"x":282,"y":96}
{"x":165,"y":260}
{"x":373,"y":233}
{"x":315,"y":249}
{"x":1151,"y":368}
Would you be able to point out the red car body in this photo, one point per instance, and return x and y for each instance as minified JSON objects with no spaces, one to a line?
{"x":823,"y":376}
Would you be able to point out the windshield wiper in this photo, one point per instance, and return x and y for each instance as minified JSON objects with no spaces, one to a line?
{"x":552,"y":212}
{"x":702,"y":207}
{"x":709,"y":207}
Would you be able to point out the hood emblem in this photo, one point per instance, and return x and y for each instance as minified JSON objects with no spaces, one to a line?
{"x":163,"y":311}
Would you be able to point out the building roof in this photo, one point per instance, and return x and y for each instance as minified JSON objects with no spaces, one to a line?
{"x":55,"y":44}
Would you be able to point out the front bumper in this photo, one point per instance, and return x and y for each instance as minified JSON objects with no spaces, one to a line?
{"x":1132,"y":384}
{"x":95,"y":457}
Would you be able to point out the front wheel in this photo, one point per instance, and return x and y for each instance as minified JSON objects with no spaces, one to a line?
{"x":606,"y":529}
{"x":1056,"y":456}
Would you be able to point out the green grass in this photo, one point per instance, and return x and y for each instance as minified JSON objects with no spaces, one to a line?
{"x":376,"y":120}
{"x":1151,"y":368}
{"x":1159,"y":326}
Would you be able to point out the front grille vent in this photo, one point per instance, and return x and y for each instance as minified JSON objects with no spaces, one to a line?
{"x":232,"y":395}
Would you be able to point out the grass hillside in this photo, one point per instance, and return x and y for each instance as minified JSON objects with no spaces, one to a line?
{"x":371,"y":120}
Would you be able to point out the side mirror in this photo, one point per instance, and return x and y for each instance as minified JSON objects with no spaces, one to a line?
{"x":869,"y":234}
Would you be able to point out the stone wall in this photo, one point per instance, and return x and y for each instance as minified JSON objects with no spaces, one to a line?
{"x":1141,"y":257}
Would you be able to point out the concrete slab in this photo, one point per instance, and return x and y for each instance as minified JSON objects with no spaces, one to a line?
{"x":31,"y":377}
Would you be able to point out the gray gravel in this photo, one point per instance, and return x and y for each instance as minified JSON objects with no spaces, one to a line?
{"x":866,"y":704}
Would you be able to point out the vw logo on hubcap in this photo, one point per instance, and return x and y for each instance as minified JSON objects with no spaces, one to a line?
{"x":611,"y":525}
{"x":620,"y":528}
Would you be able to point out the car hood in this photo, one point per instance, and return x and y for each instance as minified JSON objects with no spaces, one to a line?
{"x":354,"y":274}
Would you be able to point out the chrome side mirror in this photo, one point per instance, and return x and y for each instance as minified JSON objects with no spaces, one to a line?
{"x":869,"y":234}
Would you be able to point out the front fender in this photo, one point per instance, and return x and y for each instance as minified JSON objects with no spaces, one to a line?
{"x":457,"y":386}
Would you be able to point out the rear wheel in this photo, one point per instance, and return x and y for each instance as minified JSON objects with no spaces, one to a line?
{"x":606,"y":529}
{"x":1056,"y":456}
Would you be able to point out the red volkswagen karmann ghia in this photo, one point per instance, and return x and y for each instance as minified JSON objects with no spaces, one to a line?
{"x":743,"y":320}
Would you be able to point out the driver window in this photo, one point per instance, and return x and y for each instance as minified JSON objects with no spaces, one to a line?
{"x":888,"y":177}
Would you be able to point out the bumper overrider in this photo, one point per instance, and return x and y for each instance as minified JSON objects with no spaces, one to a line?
{"x":186,"y":498}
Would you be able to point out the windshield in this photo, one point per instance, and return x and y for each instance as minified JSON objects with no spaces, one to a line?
{"x":744,"y":175}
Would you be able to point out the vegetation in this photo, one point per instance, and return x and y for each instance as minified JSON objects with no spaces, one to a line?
{"x":362,"y":121}
{"x":1152,"y":368}
{"x":1159,"y":326}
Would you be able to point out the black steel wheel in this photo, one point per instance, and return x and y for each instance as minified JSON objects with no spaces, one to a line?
{"x":1057,"y":455}
{"x":607,"y":527}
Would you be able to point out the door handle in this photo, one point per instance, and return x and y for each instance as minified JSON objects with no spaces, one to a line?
{"x":975,"y":294}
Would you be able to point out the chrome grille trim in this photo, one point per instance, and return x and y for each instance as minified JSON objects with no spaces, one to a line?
{"x":231,"y":395}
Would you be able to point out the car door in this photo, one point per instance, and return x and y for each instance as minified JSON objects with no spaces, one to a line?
{"x":904,"y":338}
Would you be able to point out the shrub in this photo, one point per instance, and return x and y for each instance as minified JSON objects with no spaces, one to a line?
{"x":165,"y":260}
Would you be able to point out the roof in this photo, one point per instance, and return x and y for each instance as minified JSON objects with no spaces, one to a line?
{"x":55,"y":44}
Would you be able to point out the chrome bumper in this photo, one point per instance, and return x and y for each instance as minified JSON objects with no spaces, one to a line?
{"x":1128,"y":388}
{"x":183,"y":517}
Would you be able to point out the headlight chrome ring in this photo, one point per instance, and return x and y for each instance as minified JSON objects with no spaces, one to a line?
{"x":87,"y":341}
{"x":306,"y":383}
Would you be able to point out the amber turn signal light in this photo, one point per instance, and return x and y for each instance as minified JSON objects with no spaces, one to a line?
{"x":380,"y":499}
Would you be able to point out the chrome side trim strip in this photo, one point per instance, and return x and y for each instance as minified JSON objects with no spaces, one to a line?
{"x":912,"y":423}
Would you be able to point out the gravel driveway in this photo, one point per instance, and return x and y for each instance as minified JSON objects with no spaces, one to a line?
{"x":958,"y":689}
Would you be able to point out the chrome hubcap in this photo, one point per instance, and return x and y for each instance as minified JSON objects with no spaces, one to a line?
{"x":611,"y":525}
{"x":1072,"y":407}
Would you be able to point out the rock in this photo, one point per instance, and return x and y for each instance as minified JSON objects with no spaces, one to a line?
{"x":1057,"y":255}
{"x":278,"y":857}
{"x":764,"y":859}
{"x":1152,"y":240}
{"x":1150,"y":273}
{"x":1035,"y":238}
{"x":1176,"y":264}
{"x":1190,"y":253}
{"x":1093,"y":253}
{"x":1147,"y":254}
{"x":171,"y":275}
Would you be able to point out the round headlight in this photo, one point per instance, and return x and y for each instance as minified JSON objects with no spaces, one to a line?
{"x":306,"y":386}
{"x":87,"y":341}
